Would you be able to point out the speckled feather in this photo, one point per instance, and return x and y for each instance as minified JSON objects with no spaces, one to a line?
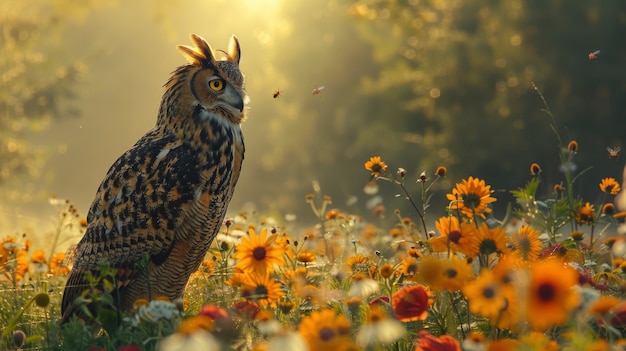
{"x":167,"y":196}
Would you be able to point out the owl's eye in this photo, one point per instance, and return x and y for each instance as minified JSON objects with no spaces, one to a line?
{"x":216,"y":84}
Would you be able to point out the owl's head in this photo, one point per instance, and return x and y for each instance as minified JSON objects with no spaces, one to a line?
{"x":207,"y":87}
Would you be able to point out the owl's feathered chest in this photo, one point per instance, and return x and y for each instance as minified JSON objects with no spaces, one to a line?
{"x":165,"y":188}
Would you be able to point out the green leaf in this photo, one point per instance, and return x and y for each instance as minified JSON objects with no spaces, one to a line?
{"x":110,"y":322}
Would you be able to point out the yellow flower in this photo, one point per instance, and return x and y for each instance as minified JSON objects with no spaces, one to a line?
{"x":57,"y":264}
{"x":471,"y":197}
{"x":450,"y":274}
{"x":485,"y":295}
{"x":358,"y":264}
{"x":386,"y":270}
{"x":551,"y":296}
{"x":408,"y":268}
{"x":454,"y":237}
{"x":259,"y":253}
{"x":610,"y":186}
{"x":375,"y":165}
{"x":325,"y":330}
{"x":305,"y":257}
{"x":585,"y":214}
{"x":490,"y":241}
{"x":262,"y":288}
{"x":39,"y":256}
{"x":527,"y":243}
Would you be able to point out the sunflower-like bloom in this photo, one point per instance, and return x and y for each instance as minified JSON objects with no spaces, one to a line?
{"x":450,"y":274}
{"x":359,"y":264}
{"x":585,"y":214}
{"x":411,"y":303}
{"x":455,"y":236}
{"x":325,"y":330}
{"x":490,"y":240}
{"x":375,"y":165}
{"x":259,"y":254}
{"x":263,"y":289}
{"x":485,"y":295}
{"x":551,"y":294}
{"x":527,"y":243}
{"x":471,"y":197}
{"x":610,"y":186}
{"x":408,"y":267}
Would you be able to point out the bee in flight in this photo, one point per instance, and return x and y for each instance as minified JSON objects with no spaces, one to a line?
{"x":613,"y":152}
{"x":594,"y":55}
{"x":276,"y":94}
{"x":317,"y":90}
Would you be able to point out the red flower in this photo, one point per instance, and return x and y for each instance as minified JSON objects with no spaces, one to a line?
{"x":130,"y":347}
{"x":411,"y":303}
{"x":429,"y":342}
{"x":216,"y":313}
{"x":246,"y":309}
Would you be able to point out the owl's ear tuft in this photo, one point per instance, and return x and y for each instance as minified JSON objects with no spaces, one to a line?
{"x":201,"y":54}
{"x":234,"y":50}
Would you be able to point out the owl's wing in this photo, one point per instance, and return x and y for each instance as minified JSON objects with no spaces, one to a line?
{"x":140,"y":203}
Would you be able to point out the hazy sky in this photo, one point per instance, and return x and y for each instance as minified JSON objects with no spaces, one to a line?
{"x":130,"y":51}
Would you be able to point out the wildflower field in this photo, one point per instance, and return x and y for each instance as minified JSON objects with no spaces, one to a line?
{"x":548,"y":276}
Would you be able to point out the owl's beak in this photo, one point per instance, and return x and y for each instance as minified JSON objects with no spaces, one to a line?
{"x":234,"y":99}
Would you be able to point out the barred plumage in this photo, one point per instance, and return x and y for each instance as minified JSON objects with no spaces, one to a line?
{"x":167,"y":196}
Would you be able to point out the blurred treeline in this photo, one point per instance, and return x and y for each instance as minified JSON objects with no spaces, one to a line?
{"x":421,"y":83}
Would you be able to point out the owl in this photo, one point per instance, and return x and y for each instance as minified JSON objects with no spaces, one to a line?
{"x":164,"y":200}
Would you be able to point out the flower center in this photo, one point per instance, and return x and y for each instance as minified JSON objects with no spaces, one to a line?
{"x":455,"y":236}
{"x":489,"y":292}
{"x":451,"y":273}
{"x":488,"y":247}
{"x":327,"y":333}
{"x":261,"y":291}
{"x":471,"y":200}
{"x":546,"y":292}
{"x":259,"y":253}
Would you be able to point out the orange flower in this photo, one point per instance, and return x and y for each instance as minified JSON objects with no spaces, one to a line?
{"x":408,"y":268}
{"x":585,"y":214}
{"x":57,"y":264}
{"x":450,"y":274}
{"x":429,"y":342}
{"x":471,"y":197}
{"x":535,"y":169}
{"x":260,"y":253}
{"x":454,"y":237}
{"x":551,"y":296}
{"x":39,"y":256}
{"x":411,"y":303}
{"x":358,"y":264}
{"x":263,"y":289}
{"x":527,"y":243}
{"x":375,"y":165}
{"x":572,"y":146}
{"x":441,"y":171}
{"x":325,"y":330}
{"x":490,"y":240}
{"x":610,"y":186}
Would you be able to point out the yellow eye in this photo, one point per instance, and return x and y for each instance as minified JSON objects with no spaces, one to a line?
{"x":216,"y":84}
